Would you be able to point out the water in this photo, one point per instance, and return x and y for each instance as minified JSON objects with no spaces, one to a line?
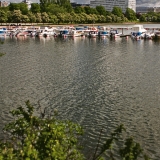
{"x":98,"y":83}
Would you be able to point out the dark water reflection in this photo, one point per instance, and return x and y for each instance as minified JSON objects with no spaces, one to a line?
{"x":98,"y":83}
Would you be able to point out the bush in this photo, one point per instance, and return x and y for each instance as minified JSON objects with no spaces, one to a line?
{"x":47,"y":138}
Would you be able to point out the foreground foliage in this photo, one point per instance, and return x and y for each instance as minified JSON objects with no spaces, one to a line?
{"x":40,"y":138}
{"x":47,"y":138}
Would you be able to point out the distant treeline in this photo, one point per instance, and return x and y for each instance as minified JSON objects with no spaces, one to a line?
{"x":61,"y":12}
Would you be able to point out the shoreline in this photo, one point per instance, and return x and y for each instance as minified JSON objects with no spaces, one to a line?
{"x":85,"y":24}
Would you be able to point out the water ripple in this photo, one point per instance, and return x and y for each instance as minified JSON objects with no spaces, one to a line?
{"x":98,"y":83}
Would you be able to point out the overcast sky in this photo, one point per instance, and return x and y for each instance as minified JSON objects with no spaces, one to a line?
{"x":147,"y":3}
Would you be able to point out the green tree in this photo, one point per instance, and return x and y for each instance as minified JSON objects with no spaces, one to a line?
{"x":61,"y":17}
{"x":16,"y":16}
{"x":101,"y":18}
{"x":68,"y":18}
{"x":68,"y":7}
{"x":109,"y":19}
{"x":23,"y":8}
{"x":38,"y":17}
{"x":117,"y":11}
{"x":24,"y":19}
{"x":45,"y":17}
{"x":35,"y":8}
{"x":79,"y":9}
{"x":45,"y":137}
{"x":55,"y":9}
{"x":83,"y":17}
{"x":3,"y":16}
{"x":53,"y":19}
{"x":43,"y":5}
{"x":32,"y":17}
{"x":143,"y":18}
{"x":130,"y":14}
{"x":89,"y":10}
{"x":154,"y":18}
{"x":101,"y":10}
{"x":14,"y":6}
{"x":40,"y":138}
{"x":75,"y":17}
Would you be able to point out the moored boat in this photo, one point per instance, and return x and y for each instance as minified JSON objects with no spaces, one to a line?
{"x":102,"y":33}
{"x":114,"y":33}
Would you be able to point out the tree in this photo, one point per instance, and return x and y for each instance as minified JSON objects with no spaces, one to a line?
{"x":32,"y":17}
{"x":40,"y":138}
{"x":101,"y":18}
{"x":130,"y":14}
{"x":14,"y":6}
{"x":43,"y":5}
{"x":38,"y":17}
{"x":45,"y":17}
{"x":16,"y":16}
{"x":79,"y":9}
{"x":101,"y":10}
{"x":117,"y":11}
{"x":45,"y":137}
{"x":61,"y":17}
{"x":89,"y":10}
{"x":23,"y":8}
{"x":143,"y":18}
{"x":35,"y":8}
{"x":68,"y":18}
{"x":24,"y":19}
{"x":3,"y":16}
{"x":55,"y":9}
{"x":109,"y":19}
{"x":53,"y":19}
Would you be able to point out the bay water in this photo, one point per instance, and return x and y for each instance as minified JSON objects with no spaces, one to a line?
{"x":96,"y":82}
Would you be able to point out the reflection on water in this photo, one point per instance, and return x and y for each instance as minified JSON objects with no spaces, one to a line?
{"x":97,"y":82}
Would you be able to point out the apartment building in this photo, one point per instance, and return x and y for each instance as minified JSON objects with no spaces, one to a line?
{"x":3,"y":4}
{"x":109,"y":4}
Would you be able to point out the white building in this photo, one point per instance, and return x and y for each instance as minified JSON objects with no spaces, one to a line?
{"x":109,"y":4}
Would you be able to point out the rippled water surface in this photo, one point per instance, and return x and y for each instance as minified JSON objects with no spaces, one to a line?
{"x":98,"y":83}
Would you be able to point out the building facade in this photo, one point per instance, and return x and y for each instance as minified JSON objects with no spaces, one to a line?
{"x":3,"y":4}
{"x":109,"y":4}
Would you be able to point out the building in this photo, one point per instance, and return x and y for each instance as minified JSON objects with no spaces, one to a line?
{"x":109,"y":4}
{"x":4,"y":4}
{"x":154,"y":9}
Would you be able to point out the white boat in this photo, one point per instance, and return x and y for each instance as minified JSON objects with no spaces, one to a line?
{"x":3,"y":32}
{"x":147,"y":35}
{"x":63,"y":33}
{"x":114,"y":33}
{"x":136,"y":35}
{"x":156,"y":35}
{"x":93,"y":34}
{"x":23,"y":33}
{"x":138,"y":32}
{"x":76,"y":33}
{"x":45,"y":32}
{"x":138,"y":28}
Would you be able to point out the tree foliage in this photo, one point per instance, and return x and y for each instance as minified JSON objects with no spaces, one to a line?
{"x":35,"y":8}
{"x":3,"y":16}
{"x":57,"y":8}
{"x":130,"y":14}
{"x":38,"y":138}
{"x":117,"y":11}
{"x":101,"y":10}
{"x":45,"y":137}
